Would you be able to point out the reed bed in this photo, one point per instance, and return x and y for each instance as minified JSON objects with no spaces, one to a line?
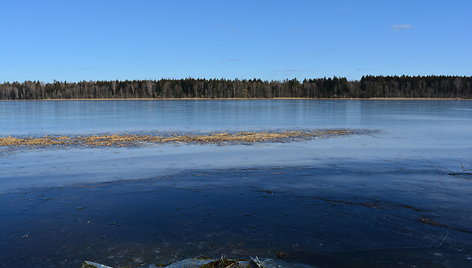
{"x":120,"y":140}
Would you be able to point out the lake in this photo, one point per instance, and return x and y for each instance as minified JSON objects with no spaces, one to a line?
{"x":384,"y":199}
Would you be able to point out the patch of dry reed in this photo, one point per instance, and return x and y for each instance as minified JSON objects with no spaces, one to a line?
{"x":136,"y":139}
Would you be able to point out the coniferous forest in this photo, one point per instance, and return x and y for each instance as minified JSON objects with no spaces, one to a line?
{"x":367,"y":87}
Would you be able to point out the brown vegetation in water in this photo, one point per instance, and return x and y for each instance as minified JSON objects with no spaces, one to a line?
{"x":432,"y":222}
{"x":136,"y":139}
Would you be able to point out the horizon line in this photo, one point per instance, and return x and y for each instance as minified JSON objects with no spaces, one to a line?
{"x":231,"y":79}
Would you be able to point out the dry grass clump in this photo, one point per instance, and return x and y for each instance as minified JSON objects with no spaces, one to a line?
{"x":136,"y":139}
{"x":14,"y":141}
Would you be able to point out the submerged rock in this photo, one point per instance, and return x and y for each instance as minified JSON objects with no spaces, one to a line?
{"x":91,"y":264}
{"x":216,"y":263}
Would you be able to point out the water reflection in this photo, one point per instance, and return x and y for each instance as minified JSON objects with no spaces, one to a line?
{"x":66,"y":117}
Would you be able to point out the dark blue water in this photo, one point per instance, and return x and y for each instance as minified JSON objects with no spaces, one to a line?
{"x":382,"y":200}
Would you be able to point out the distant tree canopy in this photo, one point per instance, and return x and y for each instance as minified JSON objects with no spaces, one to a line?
{"x":367,"y":87}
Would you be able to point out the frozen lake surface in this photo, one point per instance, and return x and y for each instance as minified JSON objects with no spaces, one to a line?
{"x":381,"y":200}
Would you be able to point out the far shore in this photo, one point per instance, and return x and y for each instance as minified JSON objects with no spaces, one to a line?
{"x":146,"y":99}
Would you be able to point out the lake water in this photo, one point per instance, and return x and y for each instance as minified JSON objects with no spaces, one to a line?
{"x":380,"y":200}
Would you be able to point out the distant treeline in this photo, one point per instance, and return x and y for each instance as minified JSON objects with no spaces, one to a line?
{"x":367,"y":87}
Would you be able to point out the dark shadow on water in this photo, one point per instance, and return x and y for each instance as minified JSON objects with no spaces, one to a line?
{"x":336,"y":216}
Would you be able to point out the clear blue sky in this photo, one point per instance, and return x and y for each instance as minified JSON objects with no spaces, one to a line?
{"x":269,"y":39}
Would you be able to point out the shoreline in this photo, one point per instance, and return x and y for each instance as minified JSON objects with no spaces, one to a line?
{"x":294,"y":98}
